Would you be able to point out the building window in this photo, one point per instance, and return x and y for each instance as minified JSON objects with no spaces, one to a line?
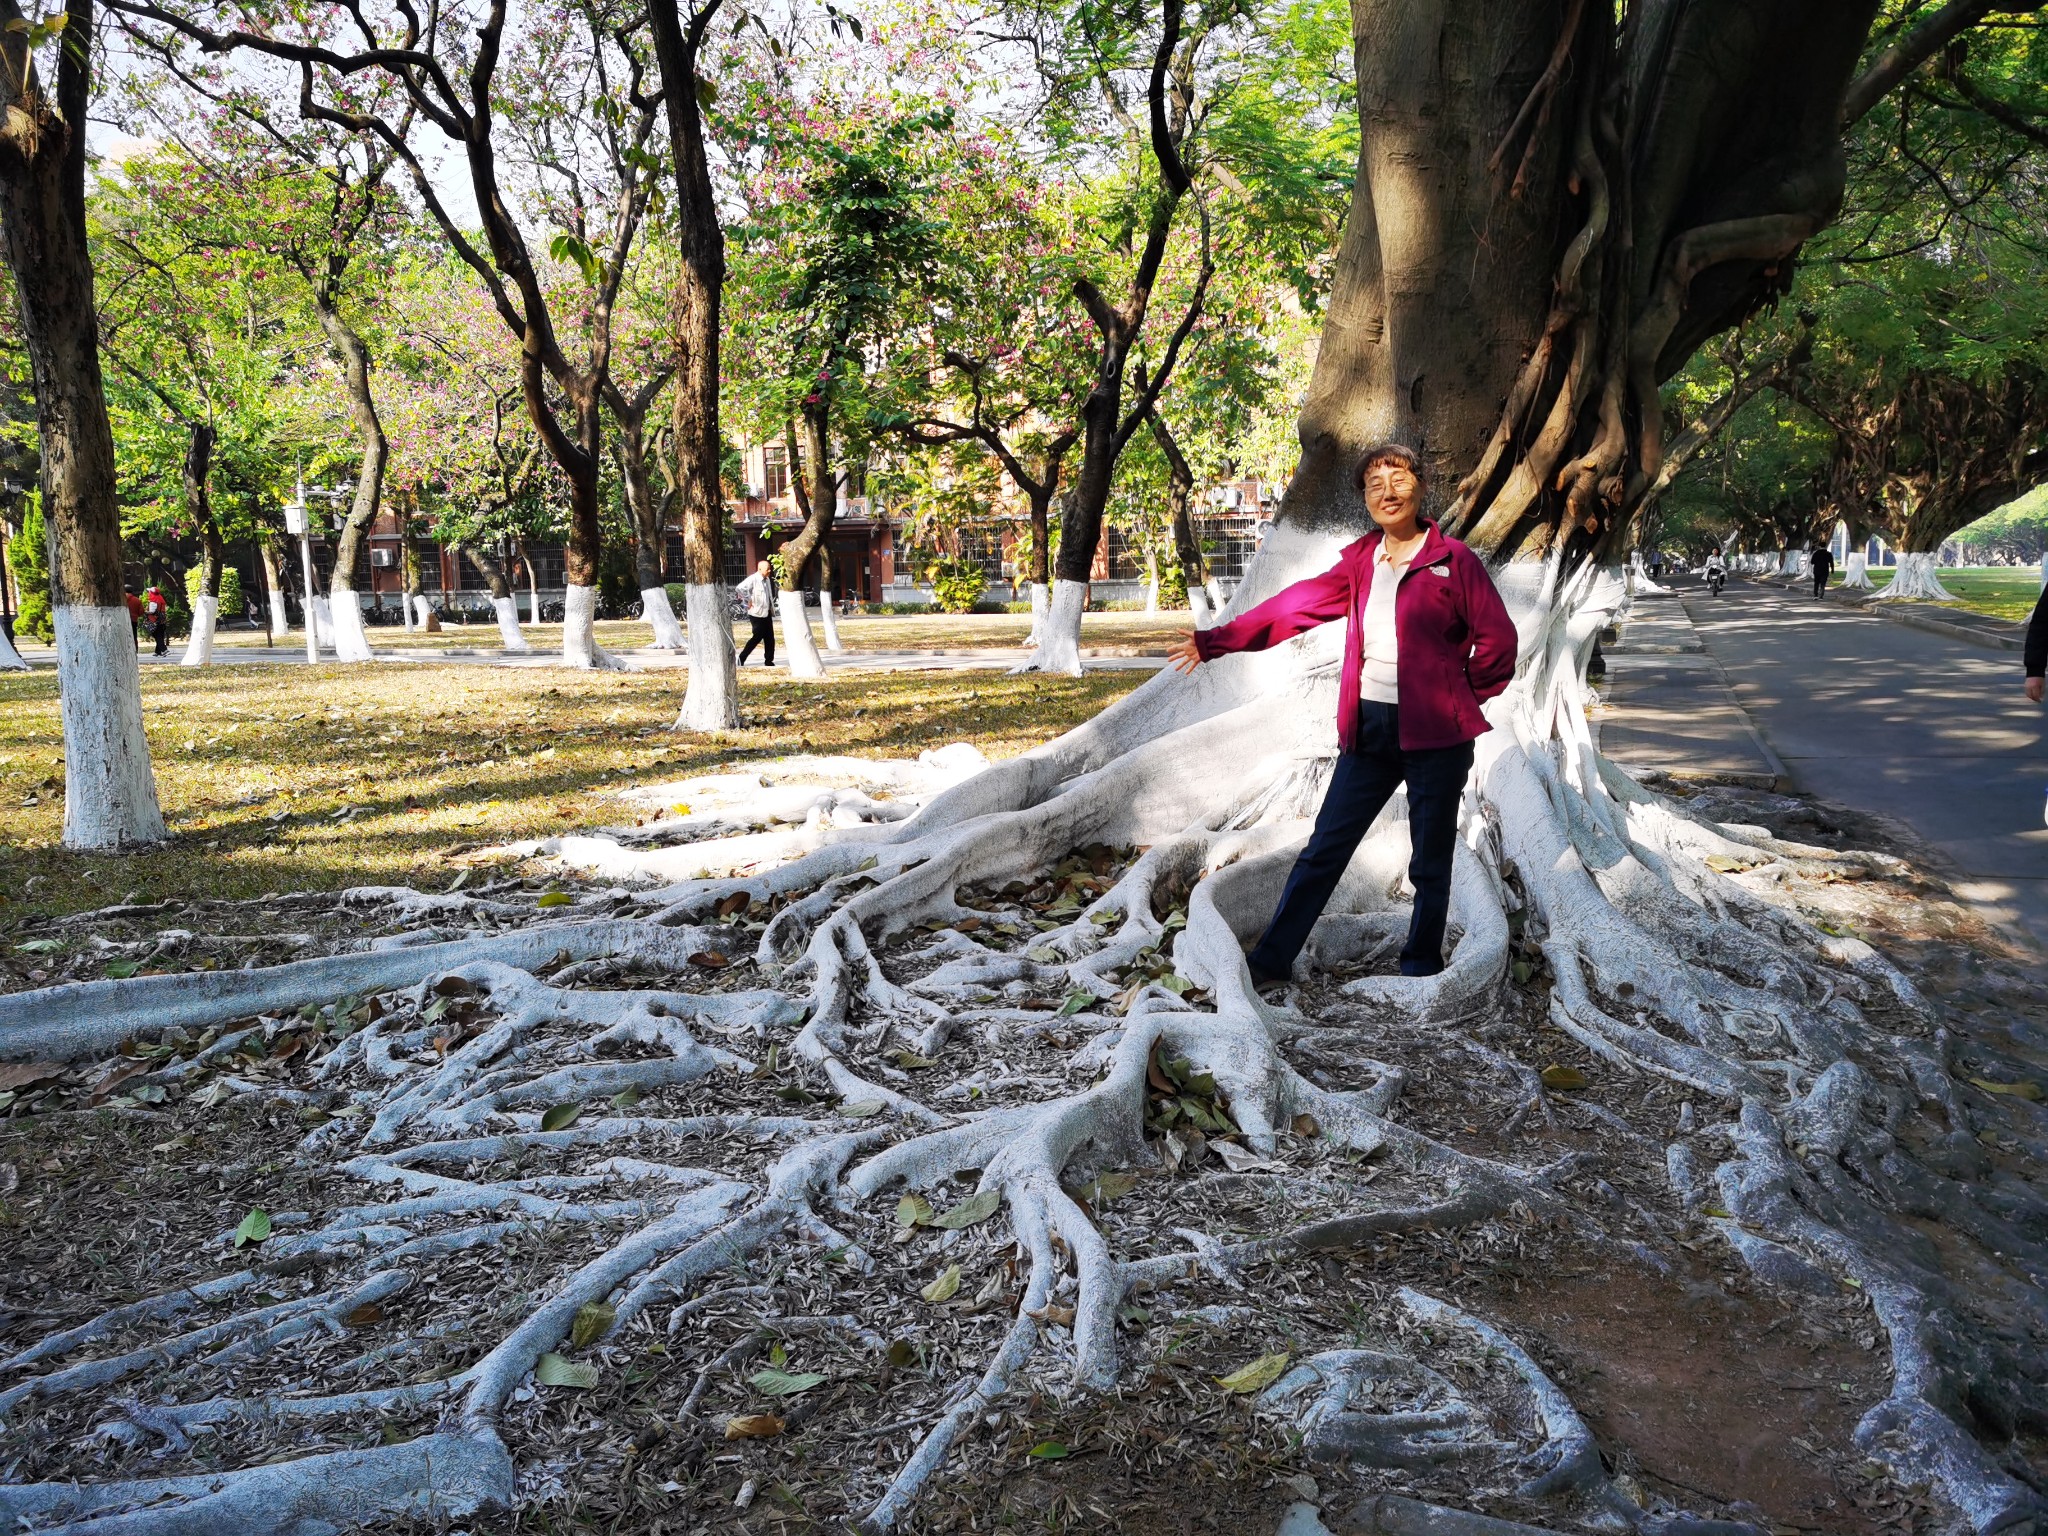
{"x":774,"y":471}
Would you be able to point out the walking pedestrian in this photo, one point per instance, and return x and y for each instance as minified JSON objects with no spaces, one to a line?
{"x":757,"y":595}
{"x":1820,"y":561}
{"x":1427,"y":640}
{"x":134,"y":617}
{"x":156,"y":617}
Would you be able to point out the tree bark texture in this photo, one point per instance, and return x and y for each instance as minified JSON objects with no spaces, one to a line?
{"x":1552,"y":211}
{"x":110,"y":792}
{"x":711,"y":702}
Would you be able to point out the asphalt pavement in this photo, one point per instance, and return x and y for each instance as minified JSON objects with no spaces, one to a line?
{"x":1929,"y":728}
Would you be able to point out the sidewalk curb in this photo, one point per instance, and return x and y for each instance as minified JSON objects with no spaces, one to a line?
{"x":1781,"y":776}
{"x":1995,"y":634}
{"x":1778,"y":780}
{"x":1973,"y":634}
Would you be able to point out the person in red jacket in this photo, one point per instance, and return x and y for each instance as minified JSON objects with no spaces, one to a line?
{"x":1427,"y":641}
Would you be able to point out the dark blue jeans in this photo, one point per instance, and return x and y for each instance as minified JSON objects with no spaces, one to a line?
{"x":1360,"y":786}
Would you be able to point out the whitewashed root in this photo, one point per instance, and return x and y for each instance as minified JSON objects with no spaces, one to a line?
{"x":1609,"y":883}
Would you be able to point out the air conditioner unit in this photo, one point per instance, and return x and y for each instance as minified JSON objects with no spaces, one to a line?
{"x":384,"y":557}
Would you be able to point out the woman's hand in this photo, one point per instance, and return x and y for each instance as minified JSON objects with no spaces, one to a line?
{"x":1184,"y":657}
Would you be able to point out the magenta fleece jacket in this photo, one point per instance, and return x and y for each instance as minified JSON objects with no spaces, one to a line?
{"x":1457,"y":642}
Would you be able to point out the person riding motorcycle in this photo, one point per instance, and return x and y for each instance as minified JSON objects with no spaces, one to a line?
{"x":1716,"y":573}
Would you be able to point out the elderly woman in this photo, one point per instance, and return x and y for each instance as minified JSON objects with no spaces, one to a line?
{"x":1426,"y":641}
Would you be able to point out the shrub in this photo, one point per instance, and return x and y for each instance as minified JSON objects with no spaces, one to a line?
{"x":678,"y":597}
{"x":1173,"y":586}
{"x":230,"y":590}
{"x":957,"y":585}
{"x":28,"y":557}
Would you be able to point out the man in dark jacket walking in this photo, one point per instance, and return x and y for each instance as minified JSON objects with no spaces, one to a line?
{"x":1820,"y":561}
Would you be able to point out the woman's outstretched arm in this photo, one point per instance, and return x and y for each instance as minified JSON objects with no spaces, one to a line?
{"x":1311,"y":601}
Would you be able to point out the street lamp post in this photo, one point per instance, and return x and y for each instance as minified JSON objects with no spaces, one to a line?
{"x":296,"y":524}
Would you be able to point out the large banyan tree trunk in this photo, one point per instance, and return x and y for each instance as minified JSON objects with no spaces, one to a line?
{"x":109,"y":790}
{"x":977,"y":1040}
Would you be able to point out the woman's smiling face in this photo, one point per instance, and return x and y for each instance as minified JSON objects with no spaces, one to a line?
{"x":1394,"y":498}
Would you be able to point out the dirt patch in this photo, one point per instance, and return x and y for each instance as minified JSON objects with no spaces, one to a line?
{"x":1709,"y":1387}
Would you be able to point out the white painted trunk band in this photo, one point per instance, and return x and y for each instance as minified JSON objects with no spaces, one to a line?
{"x":205,"y":619}
{"x":1059,"y":633}
{"x":109,"y":792}
{"x":579,"y":633}
{"x":345,"y":612}
{"x":655,"y":609}
{"x":1916,"y":581}
{"x":711,"y":702}
{"x":509,"y":634}
{"x":797,"y":644}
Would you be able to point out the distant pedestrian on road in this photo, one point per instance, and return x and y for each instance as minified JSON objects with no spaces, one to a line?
{"x":2037,"y":649}
{"x":1821,"y":562}
{"x":134,"y":617}
{"x":156,"y":617}
{"x":757,"y":593}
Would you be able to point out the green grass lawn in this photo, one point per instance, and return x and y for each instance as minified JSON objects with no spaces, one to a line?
{"x":2001,"y":591}
{"x":289,"y":778}
{"x":1106,"y":634}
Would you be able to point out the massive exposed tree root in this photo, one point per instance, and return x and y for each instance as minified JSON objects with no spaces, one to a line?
{"x":957,"y":1038}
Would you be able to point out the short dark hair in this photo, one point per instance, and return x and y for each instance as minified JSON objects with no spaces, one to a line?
{"x":1391,"y":453}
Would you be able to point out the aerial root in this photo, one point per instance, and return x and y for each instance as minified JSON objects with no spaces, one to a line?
{"x":91,"y":1018}
{"x":1941,"y":1366}
{"x":446,"y":1475}
{"x":1435,"y":1425}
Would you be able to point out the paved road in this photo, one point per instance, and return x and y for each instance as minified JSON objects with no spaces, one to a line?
{"x":1886,"y":718}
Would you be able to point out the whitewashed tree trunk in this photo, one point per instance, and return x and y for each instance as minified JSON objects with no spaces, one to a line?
{"x":10,"y":658}
{"x":1856,"y":571}
{"x":1198,"y":605}
{"x":510,"y":636}
{"x":320,"y":615}
{"x":797,"y":644}
{"x":828,"y":615}
{"x":655,"y":609}
{"x":405,"y":612}
{"x":1916,"y":581}
{"x":1216,"y":599}
{"x":109,"y":791}
{"x":423,"y":610}
{"x":345,"y":618}
{"x":205,"y":618}
{"x":1059,"y":632}
{"x":273,"y":591}
{"x":1151,"y":581}
{"x":1041,"y":600}
{"x":579,"y":633}
{"x":712,"y":700}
